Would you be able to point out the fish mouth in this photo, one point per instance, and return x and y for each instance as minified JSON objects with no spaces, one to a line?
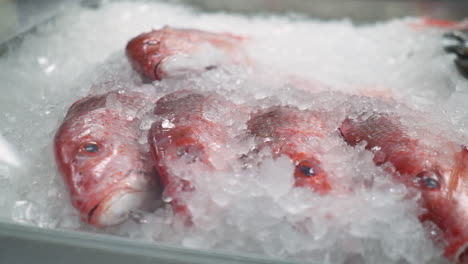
{"x":462,"y":254}
{"x":458,"y":251}
{"x":157,"y":71}
{"x":91,"y":212}
{"x":116,"y":207}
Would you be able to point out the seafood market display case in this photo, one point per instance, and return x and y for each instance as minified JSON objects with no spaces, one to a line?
{"x":25,"y":243}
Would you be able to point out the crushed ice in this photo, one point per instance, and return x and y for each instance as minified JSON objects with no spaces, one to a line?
{"x":250,"y":206}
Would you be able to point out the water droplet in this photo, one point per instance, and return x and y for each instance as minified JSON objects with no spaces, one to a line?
{"x":42,"y":60}
{"x":376,"y":148}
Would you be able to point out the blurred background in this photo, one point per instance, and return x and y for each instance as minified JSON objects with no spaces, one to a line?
{"x":18,"y":16}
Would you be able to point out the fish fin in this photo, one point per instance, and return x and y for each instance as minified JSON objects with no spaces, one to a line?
{"x":459,"y":172}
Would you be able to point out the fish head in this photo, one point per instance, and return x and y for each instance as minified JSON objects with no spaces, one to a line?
{"x":444,"y":193}
{"x":182,"y":143}
{"x":149,"y":52}
{"x":188,"y":133}
{"x":102,"y":163}
{"x":288,"y":131}
{"x":177,"y":152}
{"x":146,"y":52}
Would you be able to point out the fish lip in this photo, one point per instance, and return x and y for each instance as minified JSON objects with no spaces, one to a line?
{"x":461,"y":255}
{"x":156,"y":69}
{"x":99,"y":206}
{"x":457,"y":251}
{"x":91,"y":212}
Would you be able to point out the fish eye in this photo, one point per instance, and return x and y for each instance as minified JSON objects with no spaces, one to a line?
{"x":428,"y":180}
{"x":90,"y":148}
{"x":307,"y":168}
{"x":151,"y":42}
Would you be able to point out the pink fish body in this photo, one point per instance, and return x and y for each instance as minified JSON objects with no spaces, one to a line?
{"x":149,"y":52}
{"x":287,"y":131}
{"x":106,"y":170}
{"x":440,"y":178}
{"x":190,"y":132}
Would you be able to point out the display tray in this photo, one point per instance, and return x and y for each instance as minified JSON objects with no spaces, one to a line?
{"x":22,"y":243}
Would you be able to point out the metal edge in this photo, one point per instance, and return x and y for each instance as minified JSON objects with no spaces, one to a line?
{"x":49,"y":245}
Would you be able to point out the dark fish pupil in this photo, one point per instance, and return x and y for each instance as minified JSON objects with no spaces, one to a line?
{"x":431,"y":183}
{"x":307,"y":171}
{"x":428,"y":179}
{"x":91,"y":148}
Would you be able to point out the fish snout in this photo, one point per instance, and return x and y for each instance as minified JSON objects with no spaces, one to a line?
{"x":143,"y":52}
{"x":115,"y":207}
{"x":458,"y":251}
{"x":461,"y":255}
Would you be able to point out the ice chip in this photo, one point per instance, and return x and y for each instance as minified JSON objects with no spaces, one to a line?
{"x":167,"y":124}
{"x":276,"y":176}
{"x":252,"y":205}
{"x":112,"y":101}
{"x":7,"y":154}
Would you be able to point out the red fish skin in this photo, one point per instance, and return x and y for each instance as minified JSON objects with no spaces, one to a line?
{"x":287,"y":130}
{"x":440,"y":178}
{"x":98,"y":155}
{"x":428,"y":22}
{"x":192,"y":137}
{"x":148,"y":52}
